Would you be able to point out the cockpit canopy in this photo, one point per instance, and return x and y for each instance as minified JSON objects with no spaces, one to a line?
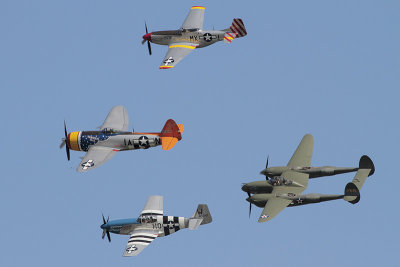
{"x":278,"y":180}
{"x":190,"y":30}
{"x":147,"y":219}
{"x":109,"y":131}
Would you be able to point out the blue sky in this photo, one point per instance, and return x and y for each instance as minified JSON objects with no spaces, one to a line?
{"x":327,"y":68}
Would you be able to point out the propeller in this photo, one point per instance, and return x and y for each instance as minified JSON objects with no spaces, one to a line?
{"x":266,"y":167}
{"x":105,"y":231}
{"x":250,"y":204}
{"x":64,"y":141}
{"x":145,"y":38}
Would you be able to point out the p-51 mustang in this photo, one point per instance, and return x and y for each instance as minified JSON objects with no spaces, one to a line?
{"x":114,"y":136}
{"x":190,"y":36}
{"x":151,"y":224}
{"x":283,"y":185}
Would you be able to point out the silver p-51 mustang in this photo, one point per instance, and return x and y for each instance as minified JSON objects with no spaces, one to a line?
{"x":151,"y":224}
{"x":190,"y":36}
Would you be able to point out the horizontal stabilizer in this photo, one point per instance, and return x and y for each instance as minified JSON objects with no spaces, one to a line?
{"x":351,"y":193}
{"x":366,"y":163}
{"x":194,"y":223}
{"x":228,"y":37}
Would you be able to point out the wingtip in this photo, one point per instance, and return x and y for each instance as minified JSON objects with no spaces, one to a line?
{"x":198,"y":7}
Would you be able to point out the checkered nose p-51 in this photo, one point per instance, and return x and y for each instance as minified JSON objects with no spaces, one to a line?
{"x":114,"y":136}
{"x":190,"y":36}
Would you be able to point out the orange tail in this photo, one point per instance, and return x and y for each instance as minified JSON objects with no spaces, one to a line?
{"x":171,"y":134}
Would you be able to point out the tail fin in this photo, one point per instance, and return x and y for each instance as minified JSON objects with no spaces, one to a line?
{"x":366,"y":163}
{"x":203,"y":213}
{"x":170,"y":134}
{"x":351,"y":193}
{"x":237,"y":28}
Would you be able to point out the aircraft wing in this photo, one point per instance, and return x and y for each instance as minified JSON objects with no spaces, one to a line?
{"x":281,"y":194}
{"x":95,"y":157}
{"x":195,"y":18}
{"x":117,"y":119}
{"x":139,"y":240}
{"x":302,"y":155}
{"x":154,"y":205}
{"x":272,"y":208}
{"x":176,"y":52}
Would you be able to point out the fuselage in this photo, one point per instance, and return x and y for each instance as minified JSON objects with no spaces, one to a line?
{"x":81,"y":141}
{"x":165,"y":224}
{"x":200,"y":38}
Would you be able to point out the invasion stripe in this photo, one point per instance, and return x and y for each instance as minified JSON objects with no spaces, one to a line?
{"x":142,"y":241}
{"x":145,"y":236}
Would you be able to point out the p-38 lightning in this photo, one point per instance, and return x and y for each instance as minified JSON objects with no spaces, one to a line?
{"x":152,"y":223}
{"x":190,"y":36}
{"x":114,"y":136}
{"x":283,"y":185}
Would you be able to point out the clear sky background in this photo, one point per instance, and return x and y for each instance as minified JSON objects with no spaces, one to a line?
{"x":329,"y":68}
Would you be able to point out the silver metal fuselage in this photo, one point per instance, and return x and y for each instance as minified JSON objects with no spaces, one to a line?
{"x":82,"y":141}
{"x":202,"y":38}
{"x":165,"y":224}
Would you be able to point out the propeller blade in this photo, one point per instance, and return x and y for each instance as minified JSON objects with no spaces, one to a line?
{"x":108,"y":236}
{"x":62,"y":143}
{"x":250,"y":210}
{"x":104,"y":233}
{"x":66,"y":138}
{"x":266,"y":166}
{"x":149,"y":47}
{"x":145,"y":25}
{"x":143,"y":41}
{"x":104,"y":220}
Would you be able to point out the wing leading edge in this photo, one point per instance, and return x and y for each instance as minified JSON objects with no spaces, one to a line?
{"x":95,"y":157}
{"x":195,"y":18}
{"x":176,"y":52}
{"x":139,"y":240}
{"x":303,"y":154}
{"x":117,"y":119}
{"x":282,"y":195}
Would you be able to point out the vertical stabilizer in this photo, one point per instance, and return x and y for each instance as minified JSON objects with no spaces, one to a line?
{"x":203,"y":213}
{"x":170,"y":134}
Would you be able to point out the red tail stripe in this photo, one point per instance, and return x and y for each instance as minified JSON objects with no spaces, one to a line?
{"x":228,"y":39}
{"x":230,"y":35}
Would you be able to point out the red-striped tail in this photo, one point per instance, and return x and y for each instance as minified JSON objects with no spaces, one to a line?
{"x":238,"y":28}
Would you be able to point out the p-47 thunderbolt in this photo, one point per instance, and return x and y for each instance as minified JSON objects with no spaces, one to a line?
{"x":283,"y":185}
{"x":190,"y":36}
{"x":151,"y":224}
{"x":114,"y":136}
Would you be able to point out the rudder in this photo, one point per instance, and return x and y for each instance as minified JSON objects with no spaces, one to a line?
{"x":238,"y":28}
{"x":170,"y":134}
{"x":203,"y":213}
